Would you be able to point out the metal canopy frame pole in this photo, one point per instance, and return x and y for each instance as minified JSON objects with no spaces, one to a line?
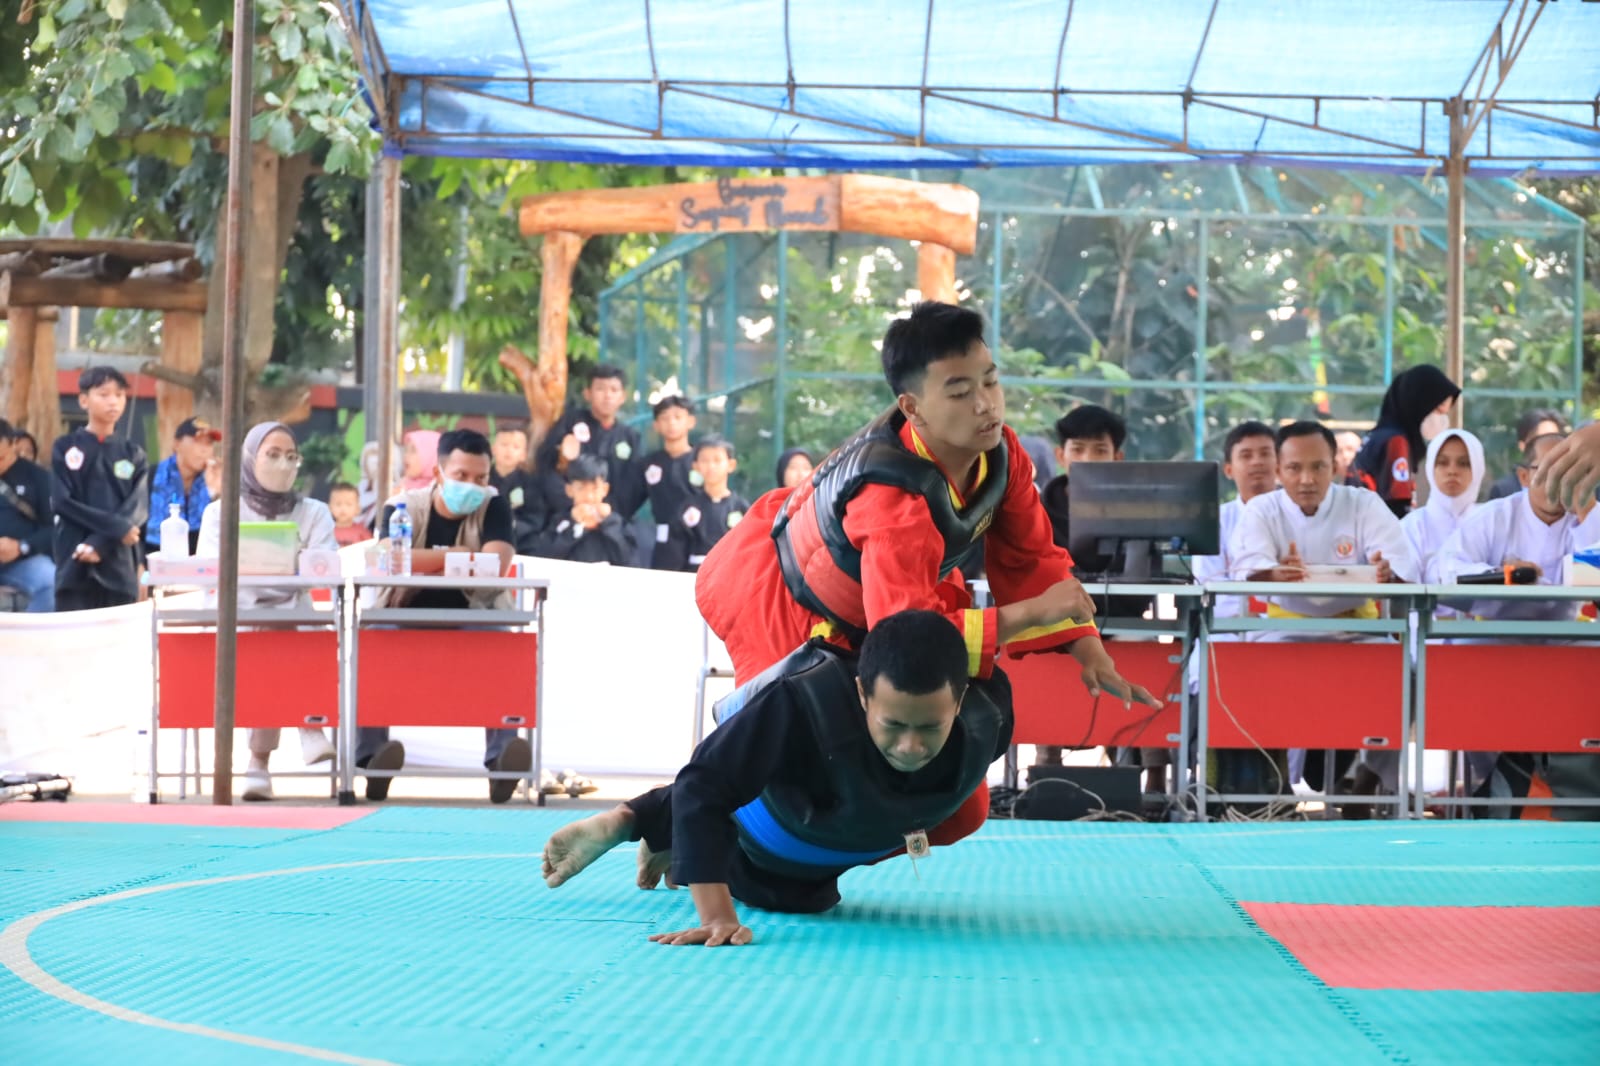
{"x":234,"y":324}
{"x":1455,"y":169}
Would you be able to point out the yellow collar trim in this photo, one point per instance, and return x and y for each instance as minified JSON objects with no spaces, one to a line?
{"x":955,"y":493}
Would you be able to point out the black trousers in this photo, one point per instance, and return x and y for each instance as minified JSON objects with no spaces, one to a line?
{"x":749,"y":883}
{"x":90,"y":596}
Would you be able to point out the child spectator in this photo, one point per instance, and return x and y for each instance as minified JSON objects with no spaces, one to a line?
{"x":27,"y":447}
{"x":100,"y":500}
{"x":669,"y":475}
{"x":596,"y":431}
{"x":344,"y":500}
{"x":531,"y":506}
{"x":711,"y":510}
{"x":592,"y":532}
{"x":794,"y":466}
{"x":180,"y":479}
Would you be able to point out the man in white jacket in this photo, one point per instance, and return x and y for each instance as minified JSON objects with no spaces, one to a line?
{"x":1311,"y":521}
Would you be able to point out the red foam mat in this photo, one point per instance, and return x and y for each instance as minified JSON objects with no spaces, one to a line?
{"x":1434,"y":949}
{"x":245,"y":817}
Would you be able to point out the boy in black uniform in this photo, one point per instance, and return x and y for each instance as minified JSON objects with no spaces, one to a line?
{"x":591,"y":532}
{"x":26,"y":530}
{"x":669,"y":474}
{"x":597,"y":432}
{"x":819,"y":764}
{"x":711,"y":510}
{"x":533,"y":506}
{"x":101,"y":498}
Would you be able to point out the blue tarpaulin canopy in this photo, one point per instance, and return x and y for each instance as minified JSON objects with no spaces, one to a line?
{"x":959,"y":83}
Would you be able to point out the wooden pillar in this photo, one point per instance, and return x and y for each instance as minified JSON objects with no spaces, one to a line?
{"x":180,"y":351}
{"x":43,"y":418}
{"x":936,"y":272}
{"x":548,"y":393}
{"x":23,"y":324}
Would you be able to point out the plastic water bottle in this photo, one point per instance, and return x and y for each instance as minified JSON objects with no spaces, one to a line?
{"x":174,"y":534}
{"x":400,"y":542}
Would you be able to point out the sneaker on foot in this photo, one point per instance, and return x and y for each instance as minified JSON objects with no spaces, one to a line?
{"x":315,"y":747}
{"x":257,"y":785}
{"x":392,"y":756}
{"x":517,"y":758}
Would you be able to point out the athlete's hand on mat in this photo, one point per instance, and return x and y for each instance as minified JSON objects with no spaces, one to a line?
{"x":712,"y":935}
{"x":1570,"y":472}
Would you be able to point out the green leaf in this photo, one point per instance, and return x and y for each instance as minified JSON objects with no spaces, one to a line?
{"x":71,"y":10}
{"x":104,"y":117}
{"x":286,"y":37}
{"x":19,"y":185}
{"x":46,"y":35}
{"x":280,"y":134}
{"x":305,"y":78}
{"x":25,"y":106}
{"x":163,"y":78}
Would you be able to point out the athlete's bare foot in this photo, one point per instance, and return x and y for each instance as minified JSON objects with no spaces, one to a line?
{"x":653,"y":866}
{"x":573,"y":847}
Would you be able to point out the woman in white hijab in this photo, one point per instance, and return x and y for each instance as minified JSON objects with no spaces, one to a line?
{"x":1455,"y":470}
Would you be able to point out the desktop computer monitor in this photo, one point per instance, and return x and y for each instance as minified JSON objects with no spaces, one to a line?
{"x":1123,"y":517}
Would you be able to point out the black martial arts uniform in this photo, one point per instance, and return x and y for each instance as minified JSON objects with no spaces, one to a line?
{"x":100,"y":490}
{"x":669,"y":481}
{"x":697,"y":526}
{"x":618,"y":446}
{"x":537,"y":502}
{"x":612,"y":541}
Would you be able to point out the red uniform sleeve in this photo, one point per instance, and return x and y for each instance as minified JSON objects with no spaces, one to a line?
{"x":1022,"y":557}
{"x":1395,"y":481}
{"x":900,"y":555}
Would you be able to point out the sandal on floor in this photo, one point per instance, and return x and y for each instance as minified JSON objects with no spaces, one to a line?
{"x":575,"y":784}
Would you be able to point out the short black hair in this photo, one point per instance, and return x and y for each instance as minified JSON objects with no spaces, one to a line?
{"x":22,"y":434}
{"x":7,"y":431}
{"x":932,"y":331}
{"x":715,"y":442}
{"x":1243,"y":432}
{"x":511,"y":427}
{"x":1531,"y":449}
{"x":96,"y":376}
{"x":1307,"y":429}
{"x":1530,"y":421}
{"x":1090,"y":422}
{"x":587,"y":468}
{"x":667,"y":403}
{"x":606,"y":370}
{"x":462,"y":440}
{"x":342,"y":486}
{"x":917,"y":651}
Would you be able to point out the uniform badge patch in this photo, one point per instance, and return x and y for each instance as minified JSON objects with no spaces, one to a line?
{"x":624,"y":450}
{"x":691,"y":517}
{"x":1401,"y":471}
{"x":1345,"y":546}
{"x":123,"y":468}
{"x":74,"y":458}
{"x":695,"y":479}
{"x":581,"y":431}
{"x":652,"y":474}
{"x":734,"y":518}
{"x":516,"y":498}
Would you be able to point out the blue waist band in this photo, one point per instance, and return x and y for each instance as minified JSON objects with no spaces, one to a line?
{"x":757,"y":821}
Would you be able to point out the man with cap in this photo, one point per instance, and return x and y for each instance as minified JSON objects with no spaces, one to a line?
{"x":180,"y":479}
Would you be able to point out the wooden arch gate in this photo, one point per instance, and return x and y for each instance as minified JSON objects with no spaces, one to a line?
{"x":942,"y":218}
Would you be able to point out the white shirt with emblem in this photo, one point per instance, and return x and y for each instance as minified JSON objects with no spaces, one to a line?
{"x":1506,"y":529}
{"x":1347,"y":528}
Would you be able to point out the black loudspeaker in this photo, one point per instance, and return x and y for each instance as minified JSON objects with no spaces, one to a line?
{"x":1066,"y":793}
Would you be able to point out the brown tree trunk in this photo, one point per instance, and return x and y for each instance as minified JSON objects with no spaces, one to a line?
{"x":278,"y":184}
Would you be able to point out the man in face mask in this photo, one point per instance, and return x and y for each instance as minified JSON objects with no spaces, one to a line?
{"x":458,"y":512}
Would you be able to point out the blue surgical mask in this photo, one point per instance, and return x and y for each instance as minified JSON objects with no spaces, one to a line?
{"x":462,"y":497}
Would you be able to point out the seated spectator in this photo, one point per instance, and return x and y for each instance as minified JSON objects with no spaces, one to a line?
{"x":1349,"y":442}
{"x":458,"y":511}
{"x":26,"y":528}
{"x":1539,"y":422}
{"x":418,"y":458}
{"x":711,"y":510}
{"x":668,"y":472}
{"x":267,"y":472}
{"x":794,"y":466}
{"x":1416,"y":408}
{"x":591,"y":532}
{"x":180,"y":479}
{"x":344,"y":502}
{"x":1454,"y":470}
{"x":1528,"y":529}
{"x":1086,"y":434}
{"x":27,"y":447}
